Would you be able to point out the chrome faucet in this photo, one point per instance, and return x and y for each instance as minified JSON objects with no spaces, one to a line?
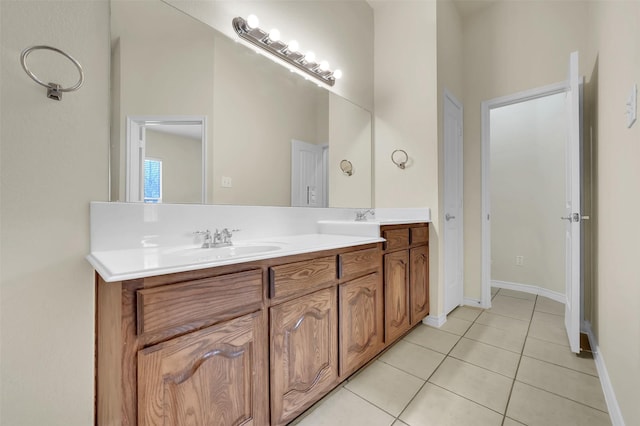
{"x":217,"y":239}
{"x":208,"y":242}
{"x":361,"y":216}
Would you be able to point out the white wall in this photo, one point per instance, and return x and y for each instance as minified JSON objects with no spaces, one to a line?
{"x":507,"y":50}
{"x":615,"y":28}
{"x":54,"y":161}
{"x":350,"y":139}
{"x":528,"y":192}
{"x":346,"y":42}
{"x":406,"y":115}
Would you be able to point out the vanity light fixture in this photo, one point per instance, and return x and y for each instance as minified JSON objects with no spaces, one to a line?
{"x":248,"y":30}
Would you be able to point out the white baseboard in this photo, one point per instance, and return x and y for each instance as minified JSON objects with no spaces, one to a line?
{"x":533,"y":289}
{"x":435,"y":321}
{"x":605,"y":381}
{"x":472,"y":302}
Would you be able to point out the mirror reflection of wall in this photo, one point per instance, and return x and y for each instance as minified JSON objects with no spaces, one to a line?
{"x":254,"y":108}
{"x":180,"y":177}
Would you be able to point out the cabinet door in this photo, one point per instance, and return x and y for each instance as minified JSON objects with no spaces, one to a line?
{"x":361,"y":322}
{"x":215,"y":376}
{"x":396,"y":294}
{"x":419,"y":289}
{"x":304,"y":352}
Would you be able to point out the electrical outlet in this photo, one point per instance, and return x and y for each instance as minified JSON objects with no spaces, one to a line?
{"x":519,"y":260}
{"x":226,"y":182}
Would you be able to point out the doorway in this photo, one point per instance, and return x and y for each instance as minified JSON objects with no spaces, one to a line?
{"x":571,"y":217}
{"x":166,"y":159}
{"x":308,"y":174}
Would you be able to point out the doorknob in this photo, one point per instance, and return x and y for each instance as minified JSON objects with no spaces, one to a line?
{"x":448,"y":217}
{"x":569,"y":218}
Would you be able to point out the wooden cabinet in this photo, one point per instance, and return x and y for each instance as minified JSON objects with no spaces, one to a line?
{"x":419,"y":283}
{"x":215,"y":376}
{"x":361,"y":322}
{"x":396,"y":294}
{"x":304,"y":352}
{"x":255,"y":343}
{"x":406,"y":278}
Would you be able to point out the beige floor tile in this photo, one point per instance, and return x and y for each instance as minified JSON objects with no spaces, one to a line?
{"x":571,"y":384}
{"x":504,"y":323}
{"x":432,"y":338}
{"x":346,"y":409}
{"x":413,"y":359}
{"x":385,"y":386}
{"x":399,"y":423}
{"x":455,"y":326}
{"x":465,"y":312}
{"x":535,"y":407}
{"x":434,"y":406}
{"x":548,"y":327}
{"x":494,"y":336}
{"x":511,"y":422}
{"x":494,"y":291}
{"x":477,"y":384}
{"x":512,"y":307}
{"x":544,"y":304}
{"x":490,"y":357}
{"x":559,"y":355}
{"x":517,"y":294}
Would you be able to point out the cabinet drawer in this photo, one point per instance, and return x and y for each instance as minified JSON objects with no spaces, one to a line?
{"x":358,"y":263}
{"x":188,"y":305}
{"x":296,"y":279}
{"x":419,"y":235}
{"x":396,"y":238}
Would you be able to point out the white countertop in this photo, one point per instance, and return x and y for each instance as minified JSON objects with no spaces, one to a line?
{"x":119,"y":265}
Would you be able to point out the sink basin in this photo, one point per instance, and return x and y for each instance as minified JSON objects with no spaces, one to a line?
{"x":220,"y":253}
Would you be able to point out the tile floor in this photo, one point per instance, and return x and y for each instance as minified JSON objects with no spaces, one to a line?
{"x":509,"y":365}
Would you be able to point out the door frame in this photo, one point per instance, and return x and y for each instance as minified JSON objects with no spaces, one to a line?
{"x":135,"y":152}
{"x":486,"y":107}
{"x":448,"y":96}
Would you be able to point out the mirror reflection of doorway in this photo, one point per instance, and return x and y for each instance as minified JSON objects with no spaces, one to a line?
{"x":308,"y":174}
{"x":166,"y":159}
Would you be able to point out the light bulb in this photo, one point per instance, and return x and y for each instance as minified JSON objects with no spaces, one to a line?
{"x":310,"y":57}
{"x":293,"y":46}
{"x":324,"y":65}
{"x":337,"y":74}
{"x":252,"y":21}
{"x":274,"y":35}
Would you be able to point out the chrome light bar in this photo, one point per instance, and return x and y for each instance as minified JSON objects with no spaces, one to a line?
{"x":249,"y":31}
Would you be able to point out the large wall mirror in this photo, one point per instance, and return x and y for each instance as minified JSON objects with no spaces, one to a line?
{"x":200,"y":118}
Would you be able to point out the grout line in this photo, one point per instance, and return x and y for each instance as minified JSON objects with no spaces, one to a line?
{"x":504,"y":316}
{"x":489,"y":344}
{"x":562,"y":396}
{"x":484,"y":368}
{"x":468,"y":399}
{"x":371,"y":403}
{"x":559,"y":365}
{"x":506,"y":409}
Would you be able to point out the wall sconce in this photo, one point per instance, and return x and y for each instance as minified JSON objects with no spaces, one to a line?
{"x":400,"y":158}
{"x":248,"y":30}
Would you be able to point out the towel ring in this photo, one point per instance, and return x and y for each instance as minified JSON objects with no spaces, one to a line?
{"x":346,"y":167}
{"x":402,"y":163}
{"x":54,"y":90}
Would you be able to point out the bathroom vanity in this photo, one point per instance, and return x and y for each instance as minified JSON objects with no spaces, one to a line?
{"x":254,"y":342}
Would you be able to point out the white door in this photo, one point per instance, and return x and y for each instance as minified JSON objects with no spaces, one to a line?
{"x":307,"y":175}
{"x":573,"y":215}
{"x":453,"y":250}
{"x":134,"y":189}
